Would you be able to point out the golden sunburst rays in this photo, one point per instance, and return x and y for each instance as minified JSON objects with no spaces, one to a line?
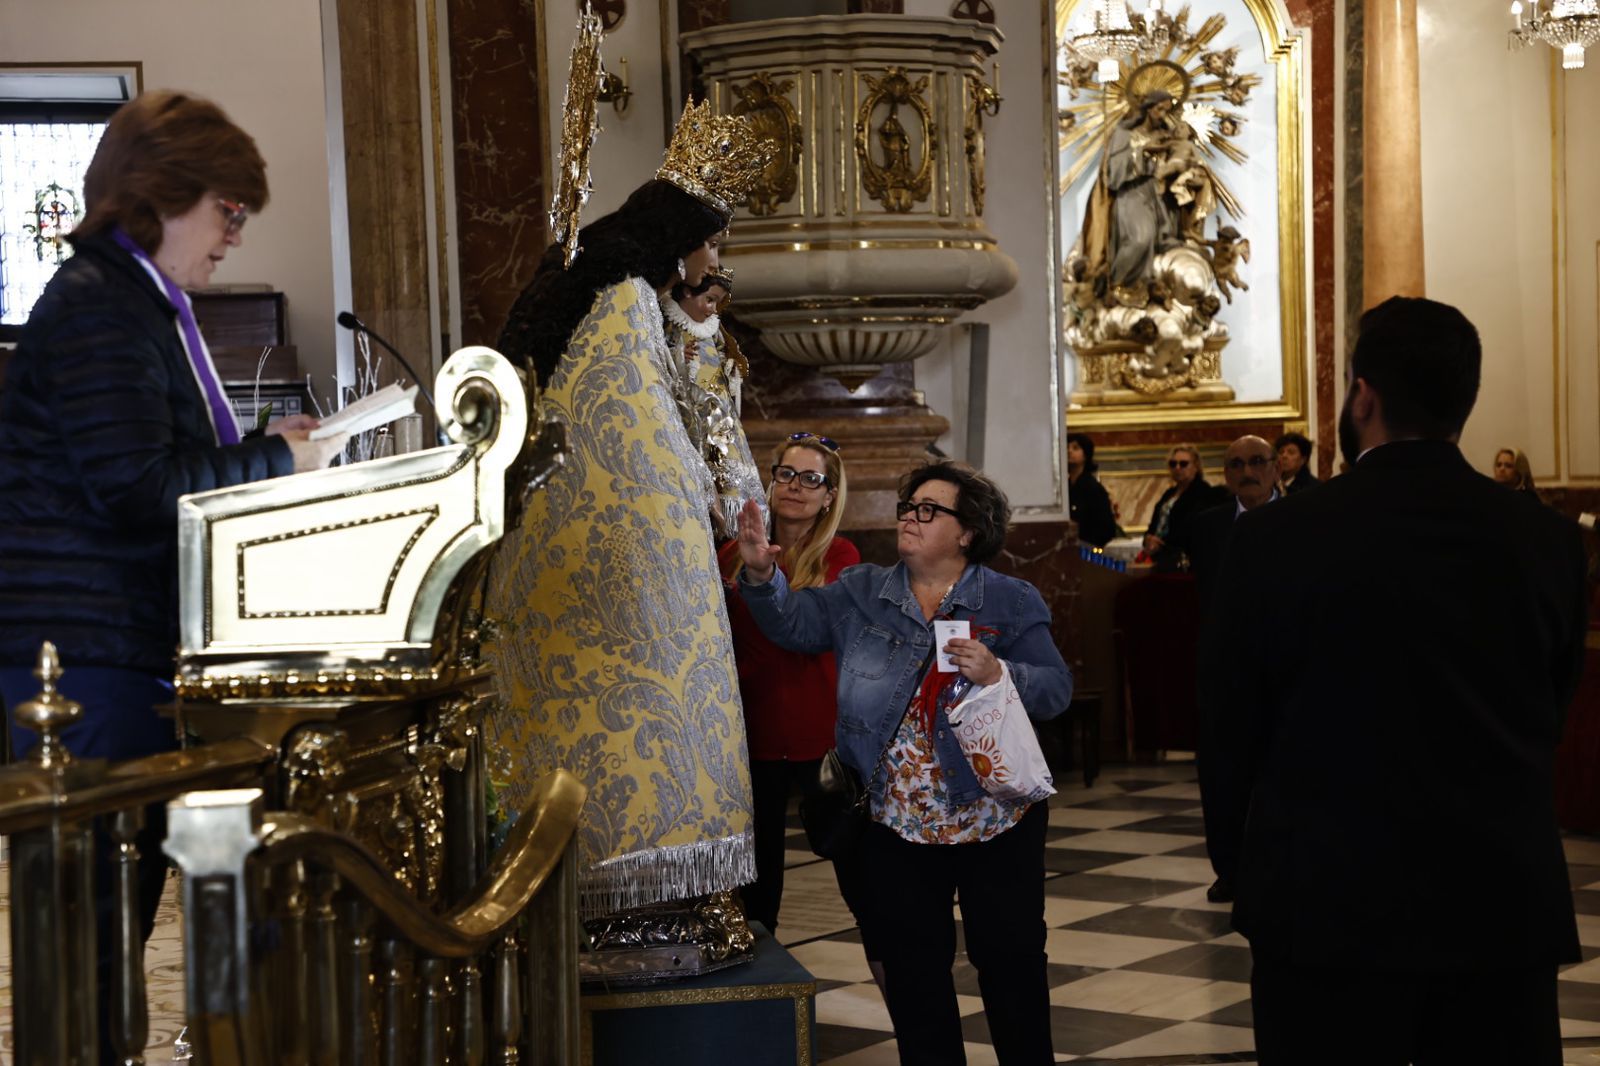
{"x":1180,"y":63}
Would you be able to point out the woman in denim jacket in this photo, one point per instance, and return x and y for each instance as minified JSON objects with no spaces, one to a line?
{"x":935,"y":831}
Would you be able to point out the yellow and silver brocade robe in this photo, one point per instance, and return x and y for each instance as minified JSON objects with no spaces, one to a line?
{"x":615,"y":660}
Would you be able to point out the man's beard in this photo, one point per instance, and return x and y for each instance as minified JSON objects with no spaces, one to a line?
{"x":1349,"y":439}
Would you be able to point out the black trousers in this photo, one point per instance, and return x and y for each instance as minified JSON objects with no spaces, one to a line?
{"x":1311,"y":1016}
{"x":772,"y":783}
{"x":909,"y":910}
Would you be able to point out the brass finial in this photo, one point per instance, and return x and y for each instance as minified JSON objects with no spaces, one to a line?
{"x":48,"y":713}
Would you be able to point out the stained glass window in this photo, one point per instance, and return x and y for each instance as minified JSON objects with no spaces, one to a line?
{"x":41,"y":199}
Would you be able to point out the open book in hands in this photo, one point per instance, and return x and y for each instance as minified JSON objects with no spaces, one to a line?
{"x":369,"y":412}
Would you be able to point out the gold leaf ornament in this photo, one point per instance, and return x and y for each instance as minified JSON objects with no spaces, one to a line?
{"x":717,"y":159}
{"x":579,"y":125}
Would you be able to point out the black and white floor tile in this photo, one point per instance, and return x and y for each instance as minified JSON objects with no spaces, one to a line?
{"x":1143,"y":971}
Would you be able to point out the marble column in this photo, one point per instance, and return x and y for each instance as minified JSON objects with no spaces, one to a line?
{"x":1392,"y":144}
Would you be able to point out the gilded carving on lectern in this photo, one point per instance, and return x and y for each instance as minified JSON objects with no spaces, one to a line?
{"x":1157,"y":254}
{"x":895,"y":182}
{"x":765,"y":104}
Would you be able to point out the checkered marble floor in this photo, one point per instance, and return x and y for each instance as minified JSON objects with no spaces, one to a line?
{"x":1143,"y":971}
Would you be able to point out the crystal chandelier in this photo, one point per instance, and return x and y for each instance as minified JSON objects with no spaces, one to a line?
{"x":1112,"y":34}
{"x":1570,"y":25}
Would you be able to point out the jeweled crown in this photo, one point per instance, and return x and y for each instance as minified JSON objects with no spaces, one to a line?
{"x":715,"y":158}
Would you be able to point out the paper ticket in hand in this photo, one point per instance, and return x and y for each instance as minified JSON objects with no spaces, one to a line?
{"x":943,"y":633}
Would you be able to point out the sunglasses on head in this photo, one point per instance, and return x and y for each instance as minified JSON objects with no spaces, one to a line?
{"x":805,"y":435}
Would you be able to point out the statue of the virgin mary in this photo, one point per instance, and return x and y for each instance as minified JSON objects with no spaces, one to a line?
{"x":614,"y":659}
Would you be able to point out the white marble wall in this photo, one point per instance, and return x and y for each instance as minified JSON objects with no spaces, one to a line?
{"x":1511,"y":222}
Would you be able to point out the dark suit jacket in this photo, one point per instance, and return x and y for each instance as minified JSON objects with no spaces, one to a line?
{"x":1415,"y":634}
{"x":102,"y":428}
{"x":1091,"y":509}
{"x":1203,"y":539}
{"x":1303,"y":480}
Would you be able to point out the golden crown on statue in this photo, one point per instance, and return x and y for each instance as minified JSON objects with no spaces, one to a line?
{"x":715,"y":158}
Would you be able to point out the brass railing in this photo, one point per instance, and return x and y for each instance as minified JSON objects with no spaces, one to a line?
{"x":302,"y":946}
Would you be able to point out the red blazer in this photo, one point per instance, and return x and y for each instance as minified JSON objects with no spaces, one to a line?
{"x":790,"y":699}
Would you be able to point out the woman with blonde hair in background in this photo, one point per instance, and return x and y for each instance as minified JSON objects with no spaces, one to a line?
{"x":1512,"y":469}
{"x":789,"y":697}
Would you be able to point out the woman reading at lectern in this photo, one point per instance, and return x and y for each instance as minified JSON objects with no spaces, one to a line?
{"x":615,"y":662}
{"x":110,"y":410}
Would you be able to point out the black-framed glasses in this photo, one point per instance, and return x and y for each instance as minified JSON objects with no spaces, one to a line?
{"x":808,"y":478}
{"x":1177,"y":464}
{"x":1255,"y":462}
{"x":804,"y":434}
{"x":235,"y":215}
{"x":926,"y":510}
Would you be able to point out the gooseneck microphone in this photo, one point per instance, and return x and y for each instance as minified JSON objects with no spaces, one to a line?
{"x":349,"y":321}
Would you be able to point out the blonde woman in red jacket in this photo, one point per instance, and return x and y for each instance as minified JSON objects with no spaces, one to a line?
{"x":789,"y":697}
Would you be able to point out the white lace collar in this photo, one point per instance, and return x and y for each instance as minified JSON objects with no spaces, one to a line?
{"x":700,"y":331}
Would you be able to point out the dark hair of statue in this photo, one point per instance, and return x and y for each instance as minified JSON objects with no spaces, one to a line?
{"x":981,"y":506}
{"x":1424,"y":360}
{"x":645,"y":237}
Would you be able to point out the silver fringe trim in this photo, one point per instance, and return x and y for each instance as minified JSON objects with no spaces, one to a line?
{"x":657,"y":874}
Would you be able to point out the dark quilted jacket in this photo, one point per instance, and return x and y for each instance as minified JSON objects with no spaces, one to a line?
{"x":102,"y":428}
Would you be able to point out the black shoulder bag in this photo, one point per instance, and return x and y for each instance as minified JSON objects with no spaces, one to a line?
{"x":836,"y":811}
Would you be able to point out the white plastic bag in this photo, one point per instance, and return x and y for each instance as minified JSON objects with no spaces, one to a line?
{"x":998,"y":740}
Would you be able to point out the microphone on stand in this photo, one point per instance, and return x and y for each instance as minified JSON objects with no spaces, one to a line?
{"x":349,"y":321}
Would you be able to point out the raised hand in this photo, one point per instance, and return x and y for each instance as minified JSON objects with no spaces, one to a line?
{"x":760,"y":557}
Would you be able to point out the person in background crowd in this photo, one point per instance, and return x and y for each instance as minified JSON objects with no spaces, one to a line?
{"x":1090,"y":505}
{"x":1188,"y":495}
{"x":1250,"y":469}
{"x":1294,"y":463}
{"x":789,"y":701}
{"x":1363,"y":640}
{"x":111,"y":410}
{"x":1512,"y":469}
{"x":935,"y":832}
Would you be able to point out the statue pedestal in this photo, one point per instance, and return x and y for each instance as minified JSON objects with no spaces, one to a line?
{"x":1111,"y":377}
{"x":763,"y":1013}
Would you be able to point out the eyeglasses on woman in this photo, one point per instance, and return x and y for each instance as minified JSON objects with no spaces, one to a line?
{"x":808,"y":478}
{"x":926,"y":511}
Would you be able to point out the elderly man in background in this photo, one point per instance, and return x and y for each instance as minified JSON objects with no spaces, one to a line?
{"x":1250,"y":469}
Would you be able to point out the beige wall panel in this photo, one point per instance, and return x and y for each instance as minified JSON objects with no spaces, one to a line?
{"x":262,"y":62}
{"x":1487,"y":220}
{"x":1581,"y":89}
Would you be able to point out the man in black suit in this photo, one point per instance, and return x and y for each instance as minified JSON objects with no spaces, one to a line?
{"x":1414,"y":634}
{"x":1250,"y":469}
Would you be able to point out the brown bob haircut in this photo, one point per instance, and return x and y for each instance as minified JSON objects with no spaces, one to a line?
{"x":981,"y":506}
{"x":160,"y":153}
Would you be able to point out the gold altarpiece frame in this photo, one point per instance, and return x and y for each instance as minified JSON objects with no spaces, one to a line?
{"x":1286,"y":48}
